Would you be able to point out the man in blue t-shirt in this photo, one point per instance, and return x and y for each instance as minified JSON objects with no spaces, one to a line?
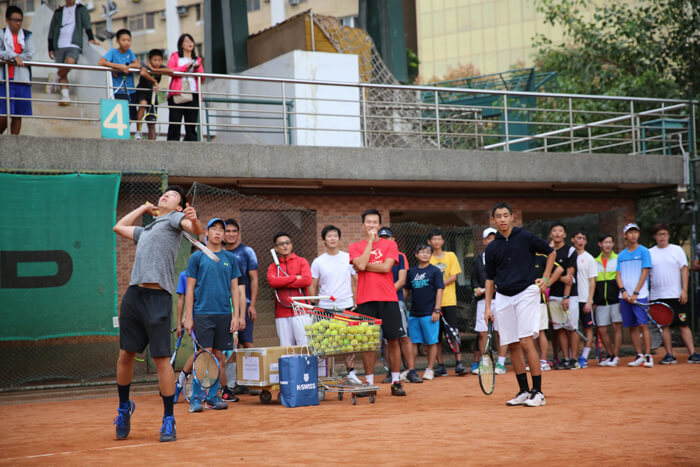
{"x":426,"y":285}
{"x":633,"y":266}
{"x":120,"y":60}
{"x":212,"y":307}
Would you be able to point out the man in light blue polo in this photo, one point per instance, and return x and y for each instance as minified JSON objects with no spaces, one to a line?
{"x":633,"y":266}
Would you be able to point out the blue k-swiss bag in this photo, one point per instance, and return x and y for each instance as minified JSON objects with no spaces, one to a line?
{"x":298,"y":380}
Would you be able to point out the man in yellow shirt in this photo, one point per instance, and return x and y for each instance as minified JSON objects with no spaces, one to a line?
{"x":448,"y":264}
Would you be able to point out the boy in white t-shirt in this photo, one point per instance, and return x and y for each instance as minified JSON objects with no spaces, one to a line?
{"x":668,"y":282}
{"x":586,"y":273}
{"x":333,"y":275}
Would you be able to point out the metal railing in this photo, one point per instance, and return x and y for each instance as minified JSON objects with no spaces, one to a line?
{"x":253,"y":109}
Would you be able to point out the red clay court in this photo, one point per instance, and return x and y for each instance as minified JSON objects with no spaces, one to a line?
{"x":596,"y":416}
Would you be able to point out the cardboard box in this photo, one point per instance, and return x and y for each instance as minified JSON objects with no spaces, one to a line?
{"x":259,"y":366}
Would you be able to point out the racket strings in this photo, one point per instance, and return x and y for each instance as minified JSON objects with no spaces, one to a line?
{"x":206,"y":369}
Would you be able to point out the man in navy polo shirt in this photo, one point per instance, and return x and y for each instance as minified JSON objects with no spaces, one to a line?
{"x":510,"y":268}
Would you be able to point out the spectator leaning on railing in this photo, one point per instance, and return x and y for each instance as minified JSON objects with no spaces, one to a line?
{"x":183,"y":90}
{"x":16,"y":45}
{"x":66,"y":40}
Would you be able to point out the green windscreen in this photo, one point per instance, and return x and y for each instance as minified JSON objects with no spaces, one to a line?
{"x":57,"y":255}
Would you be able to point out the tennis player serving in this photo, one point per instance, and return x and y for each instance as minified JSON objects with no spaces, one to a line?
{"x":510,"y":268}
{"x":144,"y":316}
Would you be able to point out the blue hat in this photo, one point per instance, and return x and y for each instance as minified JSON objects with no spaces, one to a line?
{"x":214,"y":220}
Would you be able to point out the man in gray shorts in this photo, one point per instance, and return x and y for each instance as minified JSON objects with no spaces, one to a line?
{"x":144,"y":315}
{"x":606,"y":302}
{"x":66,"y":40}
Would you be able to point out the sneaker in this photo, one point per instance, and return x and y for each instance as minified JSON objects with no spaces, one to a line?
{"x":500,"y":369}
{"x":397,"y":389}
{"x":562,"y":365}
{"x":694,"y":358}
{"x":228,"y":396}
{"x":216,"y":404}
{"x":544,"y":366}
{"x":178,"y":391}
{"x":137,"y":136}
{"x":668,"y":360}
{"x":52,"y":83}
{"x":403,"y":375}
{"x":605,"y":362}
{"x":353,"y":380}
{"x":429,"y":374}
{"x":196,"y":406}
{"x":123,"y":419}
{"x":475,"y":368}
{"x":582,"y":362}
{"x":460,"y":370}
{"x":167,"y":431}
{"x":648,"y":361}
{"x":536,"y":399}
{"x":413,"y":377}
{"x":387,"y":379}
{"x":240,"y":389}
{"x":65,"y":98}
{"x":440,"y":370}
{"x":614,"y":362}
{"x":637,"y":361}
{"x":573,"y":364}
{"x":556,"y":363}
{"x":519,"y":399}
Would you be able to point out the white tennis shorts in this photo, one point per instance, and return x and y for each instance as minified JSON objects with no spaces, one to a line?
{"x":291,"y":330}
{"x":480,"y":323}
{"x":518,"y":316}
{"x":573,"y":311}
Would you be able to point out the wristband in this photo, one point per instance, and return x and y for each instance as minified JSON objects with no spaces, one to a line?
{"x":623,"y":290}
{"x":546,"y":280}
{"x":565,"y":296}
{"x":635,"y":293}
{"x":436,"y":310}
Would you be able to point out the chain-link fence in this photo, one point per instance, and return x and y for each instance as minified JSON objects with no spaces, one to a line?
{"x":83,"y":358}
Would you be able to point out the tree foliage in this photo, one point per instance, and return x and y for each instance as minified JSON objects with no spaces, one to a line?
{"x":648,"y":48}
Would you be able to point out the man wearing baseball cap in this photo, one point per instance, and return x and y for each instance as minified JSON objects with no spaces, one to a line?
{"x":633,"y":266}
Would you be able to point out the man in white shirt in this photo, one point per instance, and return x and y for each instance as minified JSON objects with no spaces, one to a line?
{"x":333,"y":275}
{"x":586,"y":273}
{"x":669,"y":284}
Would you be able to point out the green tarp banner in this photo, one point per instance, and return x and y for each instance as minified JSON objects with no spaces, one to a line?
{"x":57,"y":255}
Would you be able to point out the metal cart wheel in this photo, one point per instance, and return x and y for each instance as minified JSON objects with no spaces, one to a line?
{"x":265,"y":396}
{"x":321,"y":394}
{"x":354,"y":399}
{"x":372,"y":397}
{"x":340,"y":396}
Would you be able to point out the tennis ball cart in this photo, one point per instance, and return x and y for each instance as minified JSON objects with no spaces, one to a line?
{"x":336,"y":332}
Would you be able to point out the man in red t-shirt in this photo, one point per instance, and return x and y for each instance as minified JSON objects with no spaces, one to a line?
{"x":373,"y":258}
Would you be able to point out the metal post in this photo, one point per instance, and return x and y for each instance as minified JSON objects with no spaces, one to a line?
{"x":284,"y":114}
{"x":634,"y":148}
{"x":437,"y":119}
{"x":365,"y":137}
{"x":692,"y":153}
{"x":590,"y":143}
{"x":6,"y":71}
{"x":200,"y":101}
{"x":108,"y":76}
{"x":505,"y":121}
{"x":571,"y":124}
{"x":311,"y":24}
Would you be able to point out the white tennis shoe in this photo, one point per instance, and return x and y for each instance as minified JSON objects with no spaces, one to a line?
{"x":536,"y":400}
{"x":519,"y":399}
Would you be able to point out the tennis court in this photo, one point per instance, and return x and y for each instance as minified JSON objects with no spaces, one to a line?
{"x":596,"y":416}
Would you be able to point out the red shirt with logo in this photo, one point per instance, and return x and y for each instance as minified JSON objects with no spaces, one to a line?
{"x":375,"y":286}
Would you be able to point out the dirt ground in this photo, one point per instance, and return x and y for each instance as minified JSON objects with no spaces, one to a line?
{"x":596,"y":416}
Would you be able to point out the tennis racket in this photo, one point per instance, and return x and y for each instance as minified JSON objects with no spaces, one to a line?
{"x":205,"y":368}
{"x":487,"y":376}
{"x":210,"y":254}
{"x":286,"y":299}
{"x":151,"y":116}
{"x":177,"y":347}
{"x":657,"y":310}
{"x":451,"y":335}
{"x":562,"y":317}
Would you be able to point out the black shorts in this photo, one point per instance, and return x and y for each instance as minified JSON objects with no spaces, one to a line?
{"x":141,"y":96}
{"x":450,"y":314}
{"x":144,"y":319}
{"x":389,"y":313}
{"x":585,"y":318}
{"x":680,"y":312}
{"x":214,"y":331}
{"x":246,"y":335}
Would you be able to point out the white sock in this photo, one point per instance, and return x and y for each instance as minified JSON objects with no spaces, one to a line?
{"x":586,"y":351}
{"x":182,"y":378}
{"x":502,"y":361}
{"x":395,"y":376}
{"x":544,"y":361}
{"x":369,"y":379}
{"x":352,"y":374}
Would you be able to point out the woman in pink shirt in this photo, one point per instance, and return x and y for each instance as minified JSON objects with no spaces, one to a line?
{"x":184,"y":104}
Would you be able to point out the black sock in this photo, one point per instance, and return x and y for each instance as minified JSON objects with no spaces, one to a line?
{"x":123,"y":393}
{"x":458,"y":362}
{"x":350,"y":369}
{"x":522,"y":382}
{"x":537,"y":383}
{"x":168,"y":402}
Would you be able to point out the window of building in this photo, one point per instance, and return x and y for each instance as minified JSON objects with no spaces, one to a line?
{"x":253,"y":5}
{"x":349,"y":21}
{"x":141,"y":22}
{"x":198,"y":12}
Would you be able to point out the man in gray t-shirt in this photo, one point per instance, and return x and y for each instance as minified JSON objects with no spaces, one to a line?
{"x":144,"y":315}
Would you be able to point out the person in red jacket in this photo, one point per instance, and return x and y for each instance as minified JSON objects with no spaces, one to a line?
{"x":290,"y":279}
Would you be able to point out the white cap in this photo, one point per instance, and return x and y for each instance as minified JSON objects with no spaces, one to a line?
{"x":631,"y":225}
{"x":489,"y":231}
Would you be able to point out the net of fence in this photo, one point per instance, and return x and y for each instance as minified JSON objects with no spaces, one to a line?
{"x":84,"y":348}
